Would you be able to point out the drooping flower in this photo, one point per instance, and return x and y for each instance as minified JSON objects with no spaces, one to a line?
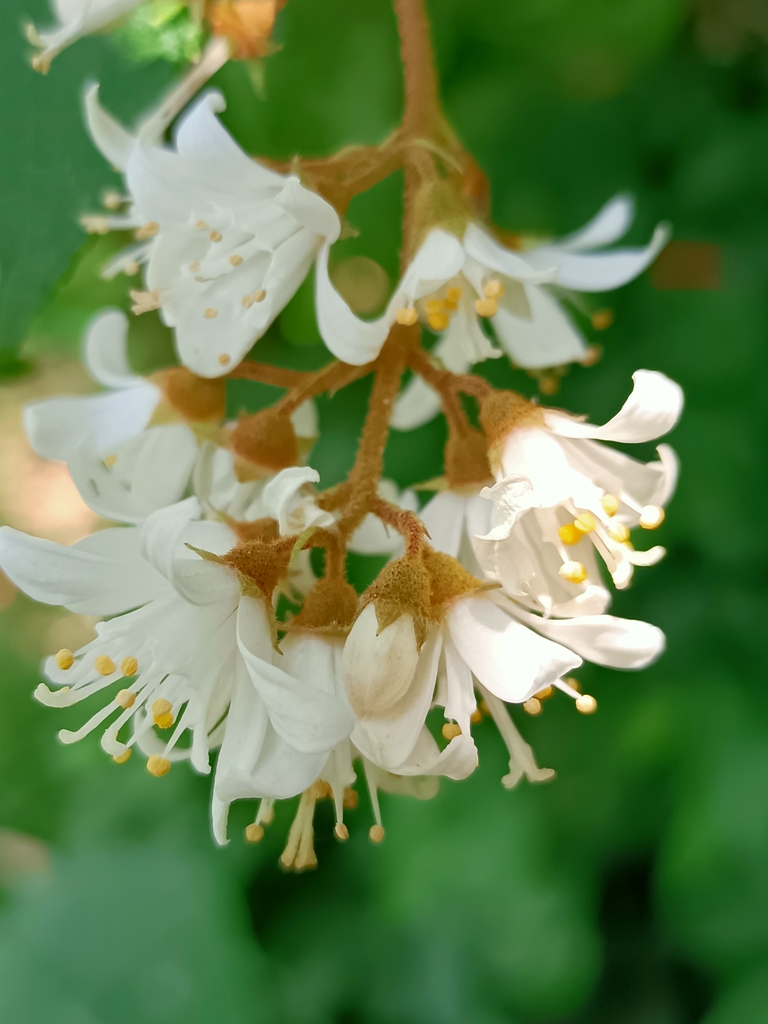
{"x":226,"y":240}
{"x":76,"y":18}
{"x":191,"y":645}
{"x":561,"y":497}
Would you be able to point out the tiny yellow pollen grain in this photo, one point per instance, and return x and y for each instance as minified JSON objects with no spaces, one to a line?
{"x":158,"y":766}
{"x":434,"y":305}
{"x":129,"y":666}
{"x":407,"y":316}
{"x":125,"y":698}
{"x":110,"y":460}
{"x":236,"y":260}
{"x":65,"y":659}
{"x":122,"y":758}
{"x":610,"y":504}
{"x":585,"y":522}
{"x":486,"y":307}
{"x":493,"y":289}
{"x":341,"y":832}
{"x":573,"y":572}
{"x":161,"y":706}
{"x":254,"y":833}
{"x":568,"y":534}
{"x":201,"y":225}
{"x":438,"y":321}
{"x":476,"y":716}
{"x":215,"y":236}
{"x":452,"y":294}
{"x":376,"y":833}
{"x":602,"y":319}
{"x":104,"y":665}
{"x":619,"y":532}
{"x":586,"y":704}
{"x":224,"y":359}
{"x":451,"y":730}
{"x":651,"y":517}
{"x":545,"y":693}
{"x":533,"y":706}
{"x":211,"y":313}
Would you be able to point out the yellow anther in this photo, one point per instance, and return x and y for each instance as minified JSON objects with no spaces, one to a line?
{"x":201,"y":225}
{"x":129,"y":666}
{"x":452,"y":294}
{"x":585,"y":522}
{"x":131,"y":268}
{"x":484,"y":708}
{"x":573,"y":683}
{"x":545,"y":694}
{"x":586,"y":704}
{"x":618,"y":532}
{"x":602,"y":319}
{"x":254,"y":833}
{"x":65,"y":659}
{"x":351,"y":798}
{"x":592,"y":356}
{"x":95,"y":224}
{"x":476,"y":716}
{"x":112,"y":200}
{"x":104,"y":665}
{"x":341,"y":832}
{"x":486,"y":307}
{"x":125,"y":698}
{"x":568,"y":534}
{"x":161,"y":707}
{"x":224,"y":359}
{"x":376,"y":833}
{"x":163,"y":721}
{"x":434,"y":305}
{"x":493,"y":289}
{"x":194,"y":267}
{"x":122,"y":758}
{"x":211,"y":313}
{"x":574,"y":572}
{"x":407,"y":316}
{"x":147,"y":230}
{"x":158,"y":766}
{"x":438,"y":321}
{"x":451,"y":730}
{"x":236,"y":260}
{"x":450,"y":306}
{"x":549,"y":385}
{"x":651,"y":517}
{"x":109,"y":461}
{"x":533,"y":706}
{"x":610,"y":504}
{"x":215,"y":236}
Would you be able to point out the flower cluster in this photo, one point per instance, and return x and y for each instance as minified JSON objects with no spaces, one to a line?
{"x":215,"y":633}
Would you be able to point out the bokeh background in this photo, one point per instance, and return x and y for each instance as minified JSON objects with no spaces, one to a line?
{"x":634,"y":888}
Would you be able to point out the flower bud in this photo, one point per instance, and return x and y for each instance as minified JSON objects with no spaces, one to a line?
{"x":266,"y":440}
{"x":198,"y":399}
{"x":379,"y":666}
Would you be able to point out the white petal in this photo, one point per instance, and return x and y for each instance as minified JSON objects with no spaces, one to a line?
{"x":110,"y":138}
{"x":379,"y":666}
{"x":417,"y":404}
{"x":490,"y":253}
{"x":653,"y":408}
{"x":545,"y":337}
{"x":507,"y":658}
{"x":603,"y":639}
{"x":350,"y":339}
{"x":305,"y":420}
{"x":444,"y":517}
{"x":101,"y":575}
{"x":456,"y":761}
{"x":283,"y":499}
{"x":105,"y":350}
{"x":309,"y":209}
{"x":608,"y":225}
{"x":162,"y":533}
{"x":602,"y":271}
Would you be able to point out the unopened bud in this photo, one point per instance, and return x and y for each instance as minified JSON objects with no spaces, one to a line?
{"x":267,"y":440}
{"x":379,"y":666}
{"x":198,"y":399}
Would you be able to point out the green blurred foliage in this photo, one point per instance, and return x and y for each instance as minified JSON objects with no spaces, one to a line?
{"x":634,"y":888}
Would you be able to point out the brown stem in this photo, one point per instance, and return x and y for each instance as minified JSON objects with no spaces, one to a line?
{"x":407,"y":524}
{"x":264,"y":373}
{"x":422,"y":103}
{"x":330,"y":378}
{"x":444,"y":381}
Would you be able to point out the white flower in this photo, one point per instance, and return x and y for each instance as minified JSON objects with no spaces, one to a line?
{"x":76,"y":18}
{"x":560,"y":497}
{"x":195,"y":649}
{"x":226,"y":241}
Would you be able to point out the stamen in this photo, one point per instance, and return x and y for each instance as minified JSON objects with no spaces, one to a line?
{"x":574,"y":572}
{"x":104,"y":665}
{"x":65,"y":659}
{"x":434,"y":305}
{"x":158,"y":766}
{"x":521,"y":757}
{"x":215,"y":236}
{"x":109,"y":461}
{"x":376,"y":833}
{"x":125,"y":698}
{"x":546,"y":693}
{"x":438,"y":321}
{"x":146,"y":231}
{"x":585,"y":522}
{"x":568,"y":534}
{"x":95,"y":224}
{"x":144,"y":302}
{"x":266,"y":812}
{"x":452,"y":294}
{"x":476,"y":716}
{"x":533,"y":706}
{"x":486,"y":307}
{"x":351,"y":798}
{"x":131,"y":268}
{"x":602,"y":319}
{"x":162,"y":713}
{"x":651,"y":517}
{"x":129,"y":666}
{"x":122,"y":758}
{"x":450,"y":730}
{"x":112,"y":200}
{"x":236,"y":260}
{"x":610,"y":504}
{"x":619,"y":532}
{"x":254,"y":833}
{"x":407,"y":316}
{"x":211,"y":313}
{"x":224,"y":359}
{"x":341,"y":831}
{"x":299,"y":852}
{"x":586,"y":704}
{"x":494,"y":289}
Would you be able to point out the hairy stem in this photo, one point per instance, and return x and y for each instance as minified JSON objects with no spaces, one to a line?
{"x":330,"y":378}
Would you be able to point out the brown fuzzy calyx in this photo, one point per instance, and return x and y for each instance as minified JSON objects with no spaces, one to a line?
{"x":403,"y":587}
{"x":330,"y":604}
{"x":266,"y":439}
{"x":197,"y":399}
{"x":501,"y":412}
{"x":265,"y":529}
{"x":466,"y":460}
{"x":260,"y":564}
{"x":449,"y":580}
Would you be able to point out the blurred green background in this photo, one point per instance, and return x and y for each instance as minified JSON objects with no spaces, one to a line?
{"x":634,"y":888}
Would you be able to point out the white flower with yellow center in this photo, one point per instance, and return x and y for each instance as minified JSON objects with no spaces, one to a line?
{"x":226,"y":242}
{"x":561,"y":498}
